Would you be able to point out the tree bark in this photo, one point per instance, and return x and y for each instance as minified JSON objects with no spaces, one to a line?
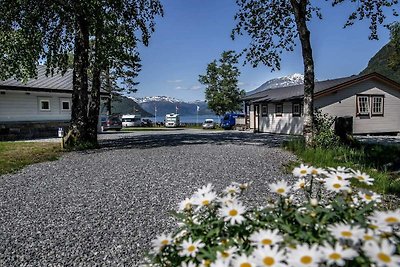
{"x":300,"y":12}
{"x":80,"y":82}
{"x":94,"y":107}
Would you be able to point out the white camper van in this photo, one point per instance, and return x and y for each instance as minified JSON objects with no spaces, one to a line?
{"x":131,"y":120}
{"x":172,"y":120}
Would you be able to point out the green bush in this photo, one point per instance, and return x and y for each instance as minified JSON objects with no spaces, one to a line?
{"x":325,"y":136}
{"x":319,"y":221}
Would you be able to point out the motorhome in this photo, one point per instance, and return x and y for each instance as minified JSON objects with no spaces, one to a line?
{"x":131,"y":120}
{"x":172,"y":120}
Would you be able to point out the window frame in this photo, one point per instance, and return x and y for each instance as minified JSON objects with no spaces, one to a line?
{"x":42,"y":100}
{"x":297,"y":114}
{"x":368,"y":112}
{"x":63,"y":100}
{"x":264,"y":114}
{"x":377,"y":114}
{"x":278,"y":114}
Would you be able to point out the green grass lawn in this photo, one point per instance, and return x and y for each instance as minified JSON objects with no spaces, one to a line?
{"x":16,"y":155}
{"x":379,"y":161}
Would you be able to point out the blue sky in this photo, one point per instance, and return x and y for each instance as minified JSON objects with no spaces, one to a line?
{"x":192,"y":33}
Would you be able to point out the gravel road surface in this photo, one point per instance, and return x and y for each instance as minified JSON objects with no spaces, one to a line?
{"x":102,"y":207}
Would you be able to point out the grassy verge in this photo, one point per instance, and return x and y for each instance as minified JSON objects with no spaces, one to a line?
{"x":379,"y":161}
{"x":16,"y":155}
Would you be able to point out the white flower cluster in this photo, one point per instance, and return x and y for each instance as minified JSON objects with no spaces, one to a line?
{"x":218,"y":230}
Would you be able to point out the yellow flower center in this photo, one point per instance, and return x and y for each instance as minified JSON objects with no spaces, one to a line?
{"x":337,"y":186}
{"x":233,"y":212}
{"x":164,"y":242}
{"x":314,"y":172}
{"x":188,"y":206}
{"x":245,"y":264}
{"x":368,"y":197}
{"x":340,"y":178}
{"x":266,"y":241}
{"x":347,"y":234}
{"x":225,"y":254}
{"x":205,"y":202}
{"x":207,"y":263}
{"x":302,"y":185}
{"x":335,"y":256}
{"x":306,"y":259}
{"x":303,"y":171}
{"x":384,"y":257}
{"x":391,"y":220}
{"x":232,"y":191}
{"x":269,"y":261}
{"x":280,"y":190}
{"x":368,"y":237}
{"x":360,"y":178}
{"x":191,"y":248}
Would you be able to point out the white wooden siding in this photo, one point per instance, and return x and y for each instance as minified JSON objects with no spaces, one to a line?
{"x":343,"y":103}
{"x":285,"y":124}
{"x":19,"y":106}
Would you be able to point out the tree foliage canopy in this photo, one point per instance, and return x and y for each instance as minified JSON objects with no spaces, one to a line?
{"x":394,"y":59}
{"x":221,"y":81}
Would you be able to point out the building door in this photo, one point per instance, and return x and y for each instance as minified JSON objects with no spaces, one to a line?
{"x":256,"y":118}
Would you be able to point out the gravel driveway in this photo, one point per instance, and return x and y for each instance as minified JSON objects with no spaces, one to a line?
{"x":102,"y":207}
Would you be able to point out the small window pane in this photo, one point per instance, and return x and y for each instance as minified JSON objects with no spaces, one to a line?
{"x":65,"y":105}
{"x":363,"y":105}
{"x":264,"y":110}
{"x":377,"y":105}
{"x":278,"y":109}
{"x":45,"y":105}
{"x":296,"y":109}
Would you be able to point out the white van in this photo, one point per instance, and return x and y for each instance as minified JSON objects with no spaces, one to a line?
{"x":172,"y":120}
{"x":131,"y":120}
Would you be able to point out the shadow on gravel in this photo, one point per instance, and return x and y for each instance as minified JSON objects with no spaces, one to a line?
{"x":170,"y":140}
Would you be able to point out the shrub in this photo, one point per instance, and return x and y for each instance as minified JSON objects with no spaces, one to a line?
{"x":325,"y":136}
{"x":319,"y":221}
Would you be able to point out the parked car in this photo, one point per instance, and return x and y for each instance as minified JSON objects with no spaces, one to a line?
{"x":129,"y":120}
{"x":209,"y":124}
{"x":147,"y":123}
{"x":111,"y":123}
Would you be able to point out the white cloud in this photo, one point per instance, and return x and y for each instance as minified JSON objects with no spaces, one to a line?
{"x":179,"y":88}
{"x":174,"y":81}
{"x":191,"y":88}
{"x":195,"y":87}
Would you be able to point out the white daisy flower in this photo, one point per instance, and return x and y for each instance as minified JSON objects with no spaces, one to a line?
{"x":161,"y":241}
{"x":205,"y":199}
{"x":227,"y":199}
{"x":304,"y":255}
{"x":339,"y":175}
{"x":377,"y":224}
{"x":382,"y":255}
{"x":227,"y":254}
{"x":204,"y":190}
{"x":369,"y":235}
{"x":282,"y":188}
{"x":266,"y":237}
{"x":336,"y":185}
{"x":220,"y":263}
{"x":317,"y":171}
{"x":389,"y":218}
{"x":188,"y":264}
{"x":233,"y":213}
{"x":340,"y":169}
{"x":244,"y":261}
{"x":186,"y":205}
{"x":368,"y":196}
{"x":190,"y":248}
{"x":269,"y":256}
{"x":337,"y":255}
{"x":343,"y":231}
{"x":232,"y":190}
{"x":301,"y":171}
{"x":363,"y":177}
{"x":300,"y":184}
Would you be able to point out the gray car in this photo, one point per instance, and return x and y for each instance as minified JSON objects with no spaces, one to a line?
{"x":209,"y":124}
{"x":111,"y":123}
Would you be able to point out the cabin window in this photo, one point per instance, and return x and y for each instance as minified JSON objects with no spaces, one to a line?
{"x":296,"y":109}
{"x":65,"y":105}
{"x":363,"y":105}
{"x":278,"y":109}
{"x":377,"y":106}
{"x":44,"y":105}
{"x":264,"y":110}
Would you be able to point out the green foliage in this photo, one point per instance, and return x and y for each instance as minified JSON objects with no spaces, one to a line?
{"x":221,"y":81}
{"x":306,"y":219}
{"x":325,"y":136}
{"x":394,"y":59}
{"x":379,"y":161}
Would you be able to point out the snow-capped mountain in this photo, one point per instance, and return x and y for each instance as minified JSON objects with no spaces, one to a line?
{"x":147,"y":99}
{"x":166,"y":104}
{"x":284,"y":81}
